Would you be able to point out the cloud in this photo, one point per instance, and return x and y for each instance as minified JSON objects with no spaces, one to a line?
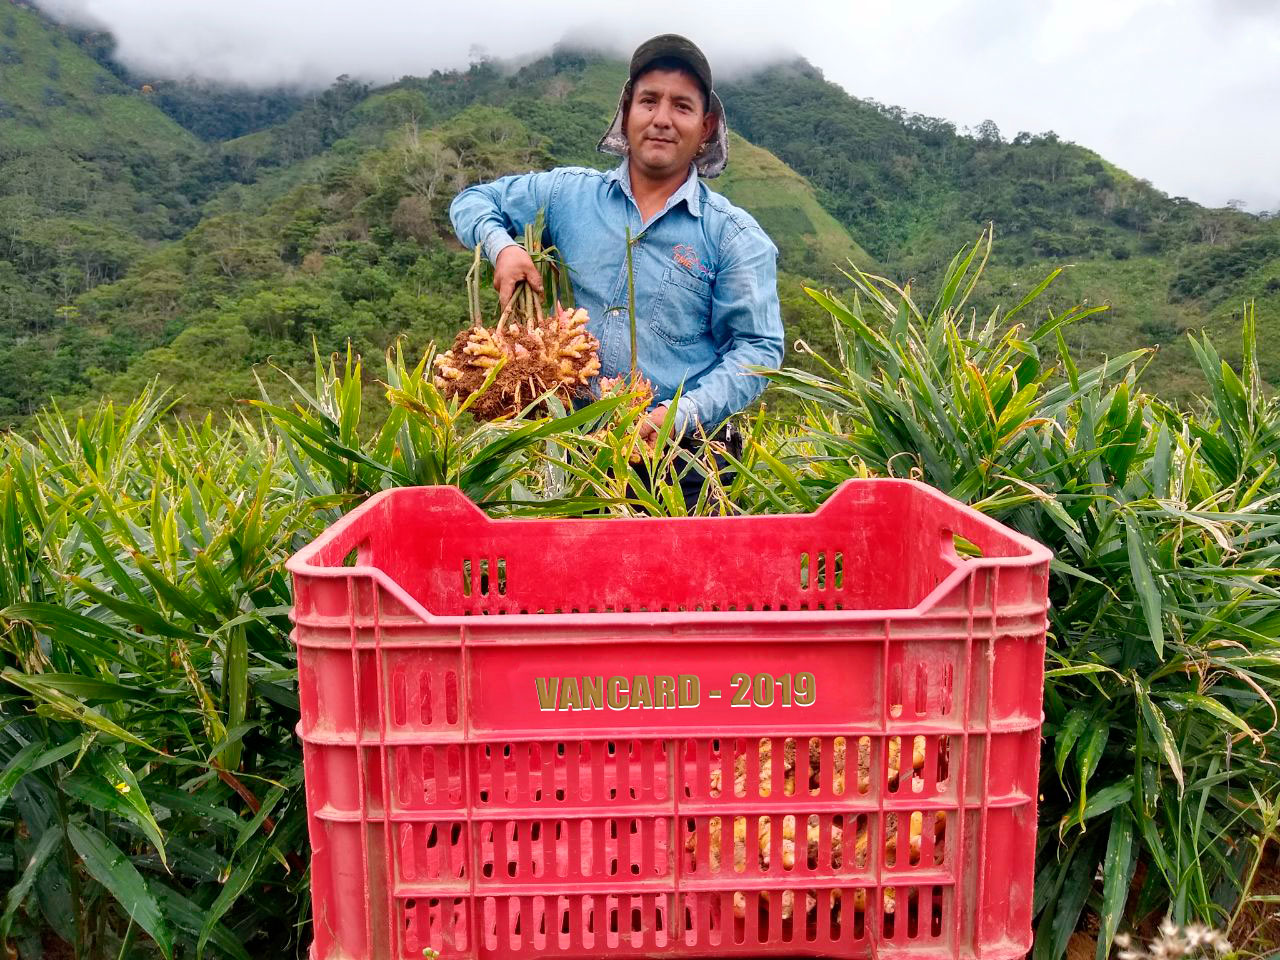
{"x":1181,"y":92}
{"x":310,"y":43}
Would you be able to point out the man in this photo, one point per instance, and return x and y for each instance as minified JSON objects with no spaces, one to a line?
{"x":706,"y":294}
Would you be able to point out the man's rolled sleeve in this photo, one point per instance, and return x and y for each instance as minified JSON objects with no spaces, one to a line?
{"x":489,"y":214}
{"x":746,"y":319}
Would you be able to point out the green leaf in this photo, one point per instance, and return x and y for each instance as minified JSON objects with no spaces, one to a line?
{"x":1154,"y":844}
{"x":1234,"y":390}
{"x":1117,"y":873}
{"x":49,"y":842}
{"x":1155,"y":722}
{"x":1068,"y":362}
{"x":122,"y":782}
{"x":22,"y":763}
{"x":1102,"y":801}
{"x":238,"y":881}
{"x":107,"y":864}
{"x":92,"y":688}
{"x":71,"y":708}
{"x":1078,"y":670}
{"x":1053,"y":323}
{"x":788,"y":478}
{"x":1145,"y":583}
{"x":176,"y":598}
{"x":93,"y":533}
{"x":847,"y":317}
{"x":214,"y":584}
{"x":1214,"y":708}
{"x":1071,"y":899}
{"x":49,"y":616}
{"x":1060,"y":566}
{"x":206,"y":805}
{"x":268,"y":805}
{"x":1092,"y":742}
{"x":146,"y":618}
{"x":90,"y":636}
{"x":97,"y":794}
{"x":190,"y":917}
{"x":235,"y":687}
{"x":1162,"y":463}
{"x":1067,"y":734}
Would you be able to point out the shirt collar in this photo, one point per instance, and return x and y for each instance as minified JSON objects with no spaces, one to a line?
{"x":687,"y":191}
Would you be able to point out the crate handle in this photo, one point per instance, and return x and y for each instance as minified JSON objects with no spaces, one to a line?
{"x":956,"y":546}
{"x":971,"y":536}
{"x":361,"y":555}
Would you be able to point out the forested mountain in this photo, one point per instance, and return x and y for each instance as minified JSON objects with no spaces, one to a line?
{"x":152,"y":228}
{"x":912,"y":189}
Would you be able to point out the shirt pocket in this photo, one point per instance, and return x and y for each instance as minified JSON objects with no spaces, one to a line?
{"x":682,"y":310}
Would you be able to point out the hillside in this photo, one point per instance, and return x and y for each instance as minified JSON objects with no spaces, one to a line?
{"x":91,"y":174}
{"x":58,"y":103}
{"x":913,"y":190}
{"x":811,"y":240}
{"x":193,"y":234}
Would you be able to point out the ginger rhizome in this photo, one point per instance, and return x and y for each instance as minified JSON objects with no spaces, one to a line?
{"x":529,"y":353}
{"x":801,"y":836}
{"x":536,"y":355}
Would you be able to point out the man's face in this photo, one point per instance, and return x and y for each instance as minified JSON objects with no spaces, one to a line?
{"x":666,"y":123}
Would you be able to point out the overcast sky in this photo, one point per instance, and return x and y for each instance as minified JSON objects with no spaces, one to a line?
{"x":1185,"y":93}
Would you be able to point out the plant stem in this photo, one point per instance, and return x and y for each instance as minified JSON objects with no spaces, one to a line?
{"x":530,"y":248}
{"x":473,"y":288}
{"x":73,"y":881}
{"x":1270,"y":819}
{"x":98,"y":947}
{"x":631,"y":304}
{"x":127,"y":940}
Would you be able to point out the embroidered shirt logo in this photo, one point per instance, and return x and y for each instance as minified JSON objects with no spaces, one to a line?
{"x":687,"y":257}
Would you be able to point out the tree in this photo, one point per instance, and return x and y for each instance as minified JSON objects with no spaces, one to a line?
{"x":1213,"y":226}
{"x":988,"y":132}
{"x":412,"y":218}
{"x":428,"y":167}
{"x":233,"y":243}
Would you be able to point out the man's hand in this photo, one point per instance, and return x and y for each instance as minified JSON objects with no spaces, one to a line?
{"x":651,"y":424}
{"x":514,"y":264}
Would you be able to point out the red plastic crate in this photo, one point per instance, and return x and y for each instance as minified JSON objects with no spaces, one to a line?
{"x":586,"y":737}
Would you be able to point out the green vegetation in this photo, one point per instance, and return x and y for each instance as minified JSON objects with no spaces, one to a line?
{"x":148,"y":764}
{"x":135,"y":248}
{"x":212,"y":243}
{"x":341,"y":238}
{"x":905,"y":183}
{"x":1159,"y":791}
{"x":90,"y":174}
{"x":784,"y":204}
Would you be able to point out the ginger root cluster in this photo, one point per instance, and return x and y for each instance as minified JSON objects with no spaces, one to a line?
{"x":553,"y":353}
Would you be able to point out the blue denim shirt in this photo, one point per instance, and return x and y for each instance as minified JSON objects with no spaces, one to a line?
{"x":705,"y":279}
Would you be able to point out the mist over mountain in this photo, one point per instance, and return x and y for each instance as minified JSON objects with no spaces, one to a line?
{"x":1177,"y":91}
